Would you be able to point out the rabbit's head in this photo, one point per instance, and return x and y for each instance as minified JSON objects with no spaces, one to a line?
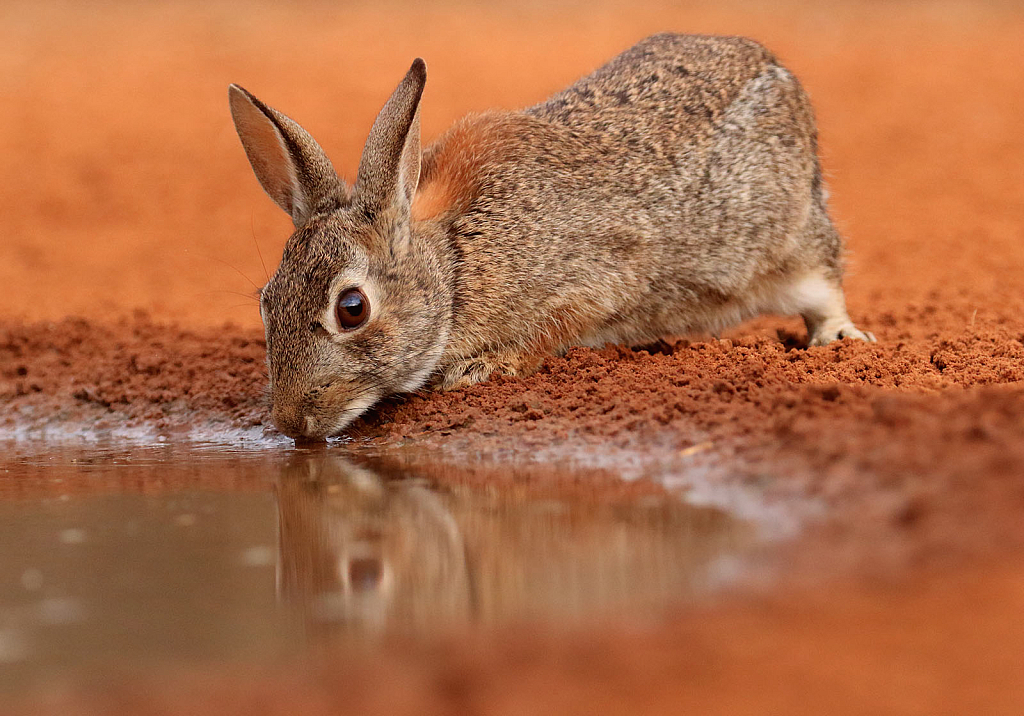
{"x":358,"y":307}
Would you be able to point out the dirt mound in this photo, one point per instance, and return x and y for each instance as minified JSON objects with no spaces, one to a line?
{"x":74,"y":372}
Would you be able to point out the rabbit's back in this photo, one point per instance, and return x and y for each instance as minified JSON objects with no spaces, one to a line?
{"x":707,"y":137}
{"x":665,"y":82}
{"x":642,"y":199}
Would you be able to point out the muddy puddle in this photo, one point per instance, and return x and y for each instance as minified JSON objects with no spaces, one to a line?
{"x":117,"y":558}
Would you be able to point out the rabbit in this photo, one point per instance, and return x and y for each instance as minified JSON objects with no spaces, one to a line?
{"x":674,"y":190}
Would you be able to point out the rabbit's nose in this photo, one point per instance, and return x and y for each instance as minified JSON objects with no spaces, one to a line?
{"x":293,"y":421}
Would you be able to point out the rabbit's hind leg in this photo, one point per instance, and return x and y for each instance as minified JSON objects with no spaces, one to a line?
{"x":821,"y":302}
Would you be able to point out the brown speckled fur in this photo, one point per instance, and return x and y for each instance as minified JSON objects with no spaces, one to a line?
{"x":675,"y":189}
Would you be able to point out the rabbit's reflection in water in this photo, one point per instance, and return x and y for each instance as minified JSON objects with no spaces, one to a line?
{"x":368,"y":553}
{"x":360,"y":550}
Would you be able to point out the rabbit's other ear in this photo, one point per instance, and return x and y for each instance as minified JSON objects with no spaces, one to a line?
{"x":390,"y":166}
{"x":291,"y":166}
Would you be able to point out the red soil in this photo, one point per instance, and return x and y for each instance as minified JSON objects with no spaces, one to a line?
{"x":123,"y":188}
{"x":947,"y":646}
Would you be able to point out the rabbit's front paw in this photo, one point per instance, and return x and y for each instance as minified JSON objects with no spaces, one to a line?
{"x":471,"y":371}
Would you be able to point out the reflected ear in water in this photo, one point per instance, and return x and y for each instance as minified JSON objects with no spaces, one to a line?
{"x":371,"y":553}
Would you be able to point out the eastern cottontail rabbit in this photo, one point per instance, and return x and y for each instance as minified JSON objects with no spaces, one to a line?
{"x":676,"y":189}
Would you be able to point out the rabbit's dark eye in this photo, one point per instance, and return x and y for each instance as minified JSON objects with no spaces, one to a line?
{"x":353,"y":309}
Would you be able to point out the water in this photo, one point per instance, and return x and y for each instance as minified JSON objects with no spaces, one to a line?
{"x":119,"y":558}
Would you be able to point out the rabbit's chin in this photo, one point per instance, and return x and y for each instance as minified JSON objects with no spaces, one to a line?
{"x":350,"y":412}
{"x":418,"y":379}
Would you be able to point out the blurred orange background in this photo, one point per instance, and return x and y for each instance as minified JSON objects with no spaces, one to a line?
{"x":123,"y":185}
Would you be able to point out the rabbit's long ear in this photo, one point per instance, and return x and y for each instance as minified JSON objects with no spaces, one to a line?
{"x":291,"y":166}
{"x":390,"y":167}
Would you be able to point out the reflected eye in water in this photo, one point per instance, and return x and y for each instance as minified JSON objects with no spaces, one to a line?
{"x":364,"y":575}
